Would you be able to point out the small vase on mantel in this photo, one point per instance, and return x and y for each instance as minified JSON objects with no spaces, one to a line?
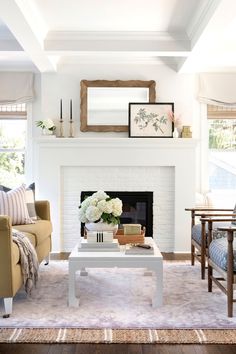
{"x":46,"y":132}
{"x":101,"y":226}
{"x":175,"y":133}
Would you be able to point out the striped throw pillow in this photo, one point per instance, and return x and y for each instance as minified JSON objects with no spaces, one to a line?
{"x":30,"y":199}
{"x":13,"y":204}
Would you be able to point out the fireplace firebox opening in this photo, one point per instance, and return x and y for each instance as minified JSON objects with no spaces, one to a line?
{"x":137,"y":208}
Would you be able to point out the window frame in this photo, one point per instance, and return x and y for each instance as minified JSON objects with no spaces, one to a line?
{"x":204,"y":152}
{"x":28,"y":167}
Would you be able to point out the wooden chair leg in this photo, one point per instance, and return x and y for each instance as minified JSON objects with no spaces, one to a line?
{"x":230,"y":299}
{"x":203,"y":249}
{"x":203,"y":265}
{"x":230,"y":274}
{"x":209,"y":278}
{"x":192,"y":254}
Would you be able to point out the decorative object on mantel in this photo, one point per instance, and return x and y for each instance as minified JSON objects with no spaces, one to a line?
{"x":99,"y":212}
{"x":176,"y":121}
{"x":101,"y":96}
{"x":47,"y":126}
{"x":150,"y":120}
{"x":61,"y":127}
{"x":186,"y":132}
{"x":71,"y":129}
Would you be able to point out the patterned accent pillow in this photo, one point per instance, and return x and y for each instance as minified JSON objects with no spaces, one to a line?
{"x":216,"y":234}
{"x":13,"y":204}
{"x":30,"y":199}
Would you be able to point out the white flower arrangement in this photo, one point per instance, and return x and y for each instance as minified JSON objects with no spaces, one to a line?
{"x":100,"y":207}
{"x":46,"y":124}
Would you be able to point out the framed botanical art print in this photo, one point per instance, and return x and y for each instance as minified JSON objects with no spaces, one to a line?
{"x":150,"y":120}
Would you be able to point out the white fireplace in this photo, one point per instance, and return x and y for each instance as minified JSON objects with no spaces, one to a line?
{"x":65,"y":167}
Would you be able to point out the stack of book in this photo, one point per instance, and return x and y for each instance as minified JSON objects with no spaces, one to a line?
{"x":99,"y":246}
{"x":100,"y":237}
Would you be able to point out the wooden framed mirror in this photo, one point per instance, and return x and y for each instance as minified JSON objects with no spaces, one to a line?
{"x":104,"y":104}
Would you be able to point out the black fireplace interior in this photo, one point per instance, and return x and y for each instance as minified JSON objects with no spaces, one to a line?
{"x":137,"y":208}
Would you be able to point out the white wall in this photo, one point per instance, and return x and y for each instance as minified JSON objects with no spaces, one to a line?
{"x":170,"y":87}
{"x":50,"y":88}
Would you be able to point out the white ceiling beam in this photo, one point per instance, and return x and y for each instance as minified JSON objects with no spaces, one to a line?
{"x":207,"y":32}
{"x":203,"y":14}
{"x":19,"y":17}
{"x":10,"y":45}
{"x":150,"y":43}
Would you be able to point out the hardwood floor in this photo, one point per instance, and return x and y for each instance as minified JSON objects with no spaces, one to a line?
{"x":115,"y":349}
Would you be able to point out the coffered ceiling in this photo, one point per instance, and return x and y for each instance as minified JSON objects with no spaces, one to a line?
{"x":187,"y":35}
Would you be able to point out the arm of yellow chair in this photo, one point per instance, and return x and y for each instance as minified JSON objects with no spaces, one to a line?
{"x":6,"y":266}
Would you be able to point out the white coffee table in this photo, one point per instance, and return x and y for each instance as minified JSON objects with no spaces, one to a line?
{"x":81,"y":260}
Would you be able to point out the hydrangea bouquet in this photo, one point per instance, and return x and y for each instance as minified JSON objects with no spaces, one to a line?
{"x":46,"y":124}
{"x":99,"y":207}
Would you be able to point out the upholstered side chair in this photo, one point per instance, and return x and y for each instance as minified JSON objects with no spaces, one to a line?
{"x":222,"y":260}
{"x":199,"y":232}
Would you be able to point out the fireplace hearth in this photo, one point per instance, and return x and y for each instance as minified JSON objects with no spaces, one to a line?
{"x":137,"y":208}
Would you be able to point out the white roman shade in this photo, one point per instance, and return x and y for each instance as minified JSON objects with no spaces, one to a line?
{"x":221,"y":112}
{"x":16,"y":87}
{"x":217,"y":89}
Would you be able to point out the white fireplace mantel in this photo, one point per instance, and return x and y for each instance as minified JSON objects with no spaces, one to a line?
{"x":53,"y":154}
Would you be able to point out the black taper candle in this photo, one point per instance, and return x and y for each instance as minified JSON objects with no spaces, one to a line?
{"x":70,"y":109}
{"x":61,"y":109}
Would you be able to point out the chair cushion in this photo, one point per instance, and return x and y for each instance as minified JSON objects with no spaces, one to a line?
{"x":197,"y":231}
{"x":218,"y":252}
{"x":40,"y":230}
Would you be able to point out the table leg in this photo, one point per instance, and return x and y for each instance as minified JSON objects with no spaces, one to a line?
{"x":83,"y":272}
{"x":157,"y":299}
{"x":73,"y":301}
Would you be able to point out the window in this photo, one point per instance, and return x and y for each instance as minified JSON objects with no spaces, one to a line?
{"x":222,"y":151}
{"x":12,"y":144}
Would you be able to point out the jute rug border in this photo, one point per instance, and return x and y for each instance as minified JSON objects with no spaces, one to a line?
{"x":108,"y":335}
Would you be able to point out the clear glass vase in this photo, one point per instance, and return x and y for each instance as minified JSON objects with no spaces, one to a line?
{"x":175,"y":133}
{"x":46,"y":132}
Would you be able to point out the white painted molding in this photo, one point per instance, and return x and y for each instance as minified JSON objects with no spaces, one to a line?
{"x":121,"y":143}
{"x":204,"y":33}
{"x":161,"y":43}
{"x":116,"y":35}
{"x":200,"y":19}
{"x":112,"y":58}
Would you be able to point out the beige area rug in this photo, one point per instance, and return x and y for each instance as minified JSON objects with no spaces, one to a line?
{"x":146,"y":336}
{"x":116,"y":307}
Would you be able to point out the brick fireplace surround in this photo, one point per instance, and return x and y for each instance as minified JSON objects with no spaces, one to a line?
{"x":164,"y":166}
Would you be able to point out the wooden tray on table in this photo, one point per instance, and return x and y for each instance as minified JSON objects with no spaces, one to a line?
{"x":125,"y":239}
